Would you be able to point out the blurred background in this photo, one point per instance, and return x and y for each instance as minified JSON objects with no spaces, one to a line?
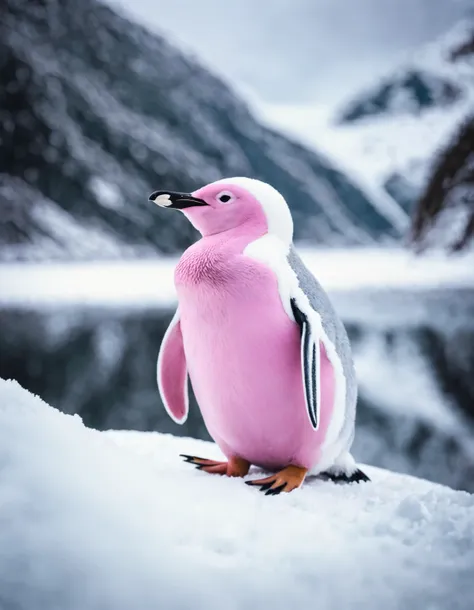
{"x":361,"y":113}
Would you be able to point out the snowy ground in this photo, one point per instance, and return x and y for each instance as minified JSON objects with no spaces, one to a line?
{"x":93,"y":520}
{"x":150,"y":282}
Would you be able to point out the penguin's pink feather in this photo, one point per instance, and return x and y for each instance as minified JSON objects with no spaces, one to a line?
{"x":172,"y":373}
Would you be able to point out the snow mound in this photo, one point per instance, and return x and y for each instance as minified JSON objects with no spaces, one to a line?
{"x":93,"y":520}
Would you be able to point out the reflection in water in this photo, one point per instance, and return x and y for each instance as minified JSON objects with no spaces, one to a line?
{"x":414,"y":365}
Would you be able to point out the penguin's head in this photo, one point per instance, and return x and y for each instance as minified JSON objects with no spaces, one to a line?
{"x":233,"y":203}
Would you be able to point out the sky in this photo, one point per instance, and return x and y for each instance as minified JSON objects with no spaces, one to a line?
{"x":299,"y":51}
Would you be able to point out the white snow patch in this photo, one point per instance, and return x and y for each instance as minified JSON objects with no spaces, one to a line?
{"x":116,"y":520}
{"x":107,"y":194}
{"x":144,"y":283}
{"x":372,"y":150}
{"x":132,"y":283}
{"x":346,"y":269}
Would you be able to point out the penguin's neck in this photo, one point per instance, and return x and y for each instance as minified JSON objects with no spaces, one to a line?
{"x":214,"y":258}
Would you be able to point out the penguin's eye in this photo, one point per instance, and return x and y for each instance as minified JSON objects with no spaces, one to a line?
{"x":225,"y":197}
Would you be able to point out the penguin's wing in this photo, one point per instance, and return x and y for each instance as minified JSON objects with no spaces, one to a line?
{"x":171,"y":372}
{"x":327,"y":327}
{"x":271,"y":252}
{"x":310,"y":362}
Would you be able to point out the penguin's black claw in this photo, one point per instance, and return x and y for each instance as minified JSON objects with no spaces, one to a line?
{"x":188,"y":458}
{"x":235,"y":467}
{"x":197,"y":461}
{"x":359,"y":477}
{"x":275,"y":490}
{"x":267,"y":488}
{"x":263,"y":486}
{"x":356,"y":477}
{"x":286,"y":480}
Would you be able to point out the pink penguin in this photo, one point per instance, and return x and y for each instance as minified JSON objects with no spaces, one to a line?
{"x":267,"y":356}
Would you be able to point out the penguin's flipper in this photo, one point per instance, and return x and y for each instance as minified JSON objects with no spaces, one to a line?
{"x":171,"y":373}
{"x":310,"y":364}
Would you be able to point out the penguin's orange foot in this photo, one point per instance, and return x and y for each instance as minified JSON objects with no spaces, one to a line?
{"x":235,"y":467}
{"x":286,"y":480}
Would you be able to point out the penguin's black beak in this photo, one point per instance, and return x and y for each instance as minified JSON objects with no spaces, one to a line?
{"x":178,"y":201}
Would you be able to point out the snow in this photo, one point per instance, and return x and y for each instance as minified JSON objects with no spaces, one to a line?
{"x":107,"y":193}
{"x":405,"y":145}
{"x":145,"y":283}
{"x":53,"y":230}
{"x":116,"y":520}
{"x":140,"y":283}
{"x":345,"y":269}
{"x":371,"y":151}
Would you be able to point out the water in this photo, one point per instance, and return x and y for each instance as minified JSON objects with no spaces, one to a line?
{"x":413,"y":346}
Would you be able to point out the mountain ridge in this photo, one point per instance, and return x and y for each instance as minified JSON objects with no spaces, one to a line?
{"x":392,"y":132}
{"x":98,"y":111}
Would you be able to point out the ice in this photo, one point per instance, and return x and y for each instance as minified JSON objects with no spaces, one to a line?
{"x":116,"y":520}
{"x":145,"y":283}
{"x":133,"y":283}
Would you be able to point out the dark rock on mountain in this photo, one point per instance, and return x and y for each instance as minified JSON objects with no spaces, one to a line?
{"x":439,"y":76}
{"x":411,"y":92}
{"x":449,"y":194}
{"x":96,"y":112}
{"x":463,"y":49}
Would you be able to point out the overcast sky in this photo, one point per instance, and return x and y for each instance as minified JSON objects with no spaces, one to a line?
{"x":299,"y":51}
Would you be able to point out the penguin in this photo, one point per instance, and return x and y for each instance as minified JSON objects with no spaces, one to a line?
{"x":267,"y":356}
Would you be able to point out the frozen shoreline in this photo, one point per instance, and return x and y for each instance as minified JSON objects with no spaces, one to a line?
{"x":145,"y":283}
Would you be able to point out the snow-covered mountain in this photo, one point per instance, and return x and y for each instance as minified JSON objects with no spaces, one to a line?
{"x":96,"y":112}
{"x":390,"y":134}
